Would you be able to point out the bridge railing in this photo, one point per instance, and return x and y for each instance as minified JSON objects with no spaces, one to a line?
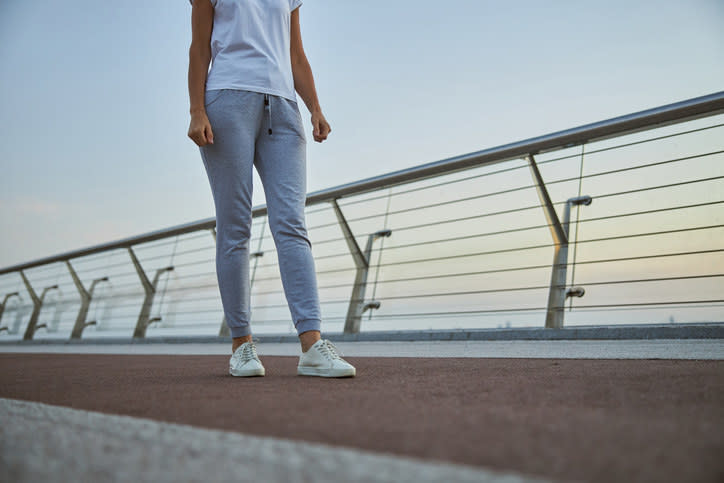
{"x":618,"y":221}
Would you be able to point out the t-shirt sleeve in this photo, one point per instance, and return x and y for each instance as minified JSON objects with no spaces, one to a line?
{"x":213,"y":3}
{"x":293,"y":4}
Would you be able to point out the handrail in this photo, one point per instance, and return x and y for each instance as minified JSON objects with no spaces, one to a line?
{"x":686,"y":110}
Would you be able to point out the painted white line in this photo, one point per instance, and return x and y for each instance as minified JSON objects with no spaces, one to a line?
{"x":712,"y":349}
{"x":40,"y":442}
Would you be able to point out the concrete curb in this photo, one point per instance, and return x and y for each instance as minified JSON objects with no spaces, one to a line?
{"x":709,"y":330}
{"x":42,"y":442}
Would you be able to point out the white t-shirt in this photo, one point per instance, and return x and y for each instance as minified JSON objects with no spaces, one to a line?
{"x":250,"y":46}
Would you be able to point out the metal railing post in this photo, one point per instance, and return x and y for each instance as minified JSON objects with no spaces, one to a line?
{"x":357,"y":305}
{"x":30,"y":329}
{"x":86,"y":297}
{"x":557,"y":293}
{"x":37,"y":306}
{"x":2,"y":309}
{"x":150,"y":288}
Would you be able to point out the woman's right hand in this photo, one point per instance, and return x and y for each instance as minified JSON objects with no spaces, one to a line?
{"x":202,"y":22}
{"x":200,"y":129}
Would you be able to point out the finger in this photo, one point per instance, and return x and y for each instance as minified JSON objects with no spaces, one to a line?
{"x":192,"y":135}
{"x":198,"y":137}
{"x":324,"y":132}
{"x":209,"y":135}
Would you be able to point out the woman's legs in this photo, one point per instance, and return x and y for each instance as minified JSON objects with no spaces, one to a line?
{"x":280,"y":160}
{"x":235,"y":118}
{"x":240,"y":121}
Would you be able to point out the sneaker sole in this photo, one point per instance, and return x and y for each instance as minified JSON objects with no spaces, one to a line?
{"x":313,"y":371}
{"x":255,"y":373}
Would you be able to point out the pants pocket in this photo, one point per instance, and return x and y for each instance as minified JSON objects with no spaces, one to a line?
{"x":212,"y":96}
{"x":295,"y":118}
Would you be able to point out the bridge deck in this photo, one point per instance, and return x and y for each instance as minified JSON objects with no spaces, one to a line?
{"x":564,"y":419}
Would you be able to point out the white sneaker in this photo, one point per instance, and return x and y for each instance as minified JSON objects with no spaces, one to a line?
{"x":245,"y":362}
{"x":323,"y":359}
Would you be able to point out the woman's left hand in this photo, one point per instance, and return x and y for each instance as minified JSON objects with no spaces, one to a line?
{"x":320,"y":127}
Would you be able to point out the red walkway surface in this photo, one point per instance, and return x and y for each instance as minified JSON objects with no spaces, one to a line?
{"x":586,"y":420}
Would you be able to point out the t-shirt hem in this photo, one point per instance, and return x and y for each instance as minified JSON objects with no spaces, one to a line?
{"x":263,"y":90}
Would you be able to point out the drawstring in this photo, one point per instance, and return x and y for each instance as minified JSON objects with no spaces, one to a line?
{"x":267,"y":104}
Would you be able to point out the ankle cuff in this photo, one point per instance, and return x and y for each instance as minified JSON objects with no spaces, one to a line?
{"x":308,"y":324}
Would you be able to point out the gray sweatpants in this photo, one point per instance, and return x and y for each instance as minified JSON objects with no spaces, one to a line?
{"x":266,"y":131}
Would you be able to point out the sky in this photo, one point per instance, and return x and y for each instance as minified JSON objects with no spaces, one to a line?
{"x":94,"y":115}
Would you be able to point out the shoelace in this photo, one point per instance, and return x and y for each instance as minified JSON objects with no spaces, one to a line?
{"x":247,"y":353}
{"x":329,"y":350}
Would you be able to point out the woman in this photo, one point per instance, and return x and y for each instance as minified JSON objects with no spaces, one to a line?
{"x":244,"y":113}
